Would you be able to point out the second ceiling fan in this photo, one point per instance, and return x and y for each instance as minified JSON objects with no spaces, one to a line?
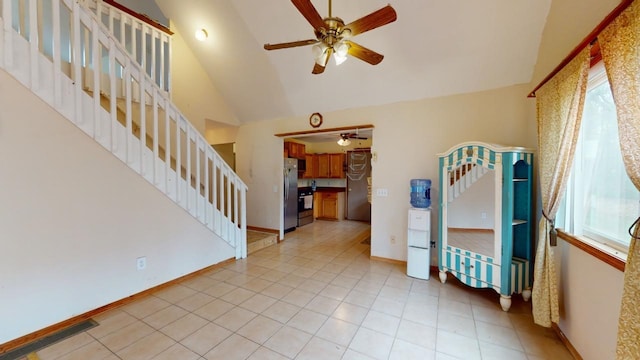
{"x":333,"y":36}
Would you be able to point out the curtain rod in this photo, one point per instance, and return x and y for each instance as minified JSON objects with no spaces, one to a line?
{"x":593,"y":36}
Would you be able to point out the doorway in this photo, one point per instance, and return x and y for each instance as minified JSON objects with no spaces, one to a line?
{"x":359,"y":185}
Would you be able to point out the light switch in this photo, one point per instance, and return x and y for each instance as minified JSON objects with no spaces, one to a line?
{"x":382,"y":192}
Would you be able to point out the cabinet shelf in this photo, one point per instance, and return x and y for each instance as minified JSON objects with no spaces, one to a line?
{"x":518,"y":180}
{"x":518,"y":222}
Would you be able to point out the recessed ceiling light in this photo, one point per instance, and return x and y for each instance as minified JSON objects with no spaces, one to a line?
{"x":202,"y":34}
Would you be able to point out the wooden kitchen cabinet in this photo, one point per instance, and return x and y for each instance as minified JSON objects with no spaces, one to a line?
{"x":294,"y":150}
{"x":311,"y":171}
{"x":330,"y":205}
{"x":330,"y":166}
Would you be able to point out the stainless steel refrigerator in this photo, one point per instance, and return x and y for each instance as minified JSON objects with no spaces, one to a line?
{"x":290,"y":194}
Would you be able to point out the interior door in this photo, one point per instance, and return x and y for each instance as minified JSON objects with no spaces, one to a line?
{"x":358,"y":170}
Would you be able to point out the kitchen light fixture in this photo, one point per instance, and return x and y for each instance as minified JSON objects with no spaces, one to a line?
{"x":344,"y":142}
{"x":202,"y":34}
{"x":339,"y":51}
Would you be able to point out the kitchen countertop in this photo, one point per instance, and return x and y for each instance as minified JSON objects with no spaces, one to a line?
{"x":330,"y":189}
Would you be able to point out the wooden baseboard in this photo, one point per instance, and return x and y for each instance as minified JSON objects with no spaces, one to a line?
{"x":266,"y":230}
{"x":566,"y":342}
{"x":23,"y":340}
{"x":387,"y":260}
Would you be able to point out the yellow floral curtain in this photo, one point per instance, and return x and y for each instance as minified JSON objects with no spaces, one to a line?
{"x":620,"y":48}
{"x":559,"y":106}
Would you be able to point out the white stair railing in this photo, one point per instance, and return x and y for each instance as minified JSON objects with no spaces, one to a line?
{"x":58,"y":49}
{"x":149,"y":45}
{"x":462,"y":177}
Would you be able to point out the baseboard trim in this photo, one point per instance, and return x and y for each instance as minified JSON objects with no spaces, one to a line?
{"x":23,"y":340}
{"x":566,"y":342}
{"x":387,"y":260}
{"x":266,"y":230}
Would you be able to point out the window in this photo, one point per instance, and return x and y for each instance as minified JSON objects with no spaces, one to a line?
{"x":601,"y":202}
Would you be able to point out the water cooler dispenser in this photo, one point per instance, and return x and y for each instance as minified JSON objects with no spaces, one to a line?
{"x":419,"y":230}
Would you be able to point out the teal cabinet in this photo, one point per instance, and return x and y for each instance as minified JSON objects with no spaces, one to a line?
{"x":485,"y":217}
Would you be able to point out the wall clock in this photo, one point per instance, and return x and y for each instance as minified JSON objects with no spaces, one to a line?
{"x":315,"y":120}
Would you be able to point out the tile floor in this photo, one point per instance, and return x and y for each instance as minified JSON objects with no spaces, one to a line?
{"x":317,"y":295}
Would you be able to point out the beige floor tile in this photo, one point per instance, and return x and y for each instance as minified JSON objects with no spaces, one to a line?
{"x":145,"y":307}
{"x":260,"y":329}
{"x":457,"y":324}
{"x":277,"y":291}
{"x":421,"y":335}
{"x":288,"y":341}
{"x":323,"y":305}
{"x":351,"y":354}
{"x":222,"y":274}
{"x":543,"y":346}
{"x":206,"y":338}
{"x":298,"y":297}
{"x":147,"y":347}
{"x":308,"y":321}
{"x":425,"y":315}
{"x":93,"y":350}
{"x":110,"y":322}
{"x":177,"y":352}
{"x":292,"y":280}
{"x":165,"y":316}
{"x":195,"y":301}
{"x":200,"y":283}
{"x":345,"y":281}
{"x":237,"y":296}
{"x":214,"y":309}
{"x":381,"y":322}
{"x":126,"y":336}
{"x":319,"y":349}
{"x":258,"y":303}
{"x":457,"y":345}
{"x":184,"y":327}
{"x":372,"y":343}
{"x":257,"y":285}
{"x":491,"y":316}
{"x":220,"y":289}
{"x":281,"y":311}
{"x":235,"y":318}
{"x":335,"y":292}
{"x":174,"y":294}
{"x":273,"y":275}
{"x":313,"y":286}
{"x":232,"y":348}
{"x":337,"y":331}
{"x":403,"y":350}
{"x":264,"y":353}
{"x":388,"y":306}
{"x":351,"y":313}
{"x":455,"y":308}
{"x":496,"y":352}
{"x":392,"y":293}
{"x":360,"y":298}
{"x":498,"y":335}
{"x":324,"y":276}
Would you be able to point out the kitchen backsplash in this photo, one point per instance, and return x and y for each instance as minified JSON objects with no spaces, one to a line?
{"x":342,"y":183}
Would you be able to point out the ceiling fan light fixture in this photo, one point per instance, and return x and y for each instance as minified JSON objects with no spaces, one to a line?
{"x":344,"y":142}
{"x":201,"y":35}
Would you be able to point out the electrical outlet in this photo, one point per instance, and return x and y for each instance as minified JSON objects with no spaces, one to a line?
{"x":483,"y":215}
{"x":141,"y":263}
{"x":393,"y":239}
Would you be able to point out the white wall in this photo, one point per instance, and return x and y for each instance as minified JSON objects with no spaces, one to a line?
{"x":191,"y":89}
{"x":73,"y":220}
{"x":590,"y":290}
{"x":407,"y":137}
{"x":466,"y":211}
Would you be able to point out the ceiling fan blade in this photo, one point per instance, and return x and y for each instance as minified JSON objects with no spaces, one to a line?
{"x":364,"y":54}
{"x":374,"y":20}
{"x":305,"y":7}
{"x":290,"y":44}
{"x":319,"y":68}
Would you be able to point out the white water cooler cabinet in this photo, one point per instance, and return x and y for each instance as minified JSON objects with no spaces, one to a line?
{"x":419,"y":242}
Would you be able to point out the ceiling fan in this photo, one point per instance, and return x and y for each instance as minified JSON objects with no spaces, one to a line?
{"x":332,"y":35}
{"x":345,"y":138}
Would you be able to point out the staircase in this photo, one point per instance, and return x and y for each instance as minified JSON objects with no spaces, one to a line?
{"x":107,"y":72}
{"x":462,"y":177}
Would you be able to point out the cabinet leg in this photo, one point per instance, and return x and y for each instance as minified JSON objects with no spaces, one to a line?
{"x":443,"y":276}
{"x":526,"y":294}
{"x":505,"y":302}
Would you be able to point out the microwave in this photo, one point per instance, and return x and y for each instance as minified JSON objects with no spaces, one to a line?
{"x":302,"y":165}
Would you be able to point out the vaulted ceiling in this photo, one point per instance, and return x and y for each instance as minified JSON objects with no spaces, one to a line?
{"x":435,"y":48}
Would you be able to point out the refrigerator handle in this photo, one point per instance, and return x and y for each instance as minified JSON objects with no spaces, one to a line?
{"x":286,"y":185}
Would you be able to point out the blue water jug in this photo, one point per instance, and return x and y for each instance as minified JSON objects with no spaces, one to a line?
{"x":420,"y":193}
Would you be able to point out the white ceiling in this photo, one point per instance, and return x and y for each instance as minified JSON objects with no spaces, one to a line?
{"x":435,"y":48}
